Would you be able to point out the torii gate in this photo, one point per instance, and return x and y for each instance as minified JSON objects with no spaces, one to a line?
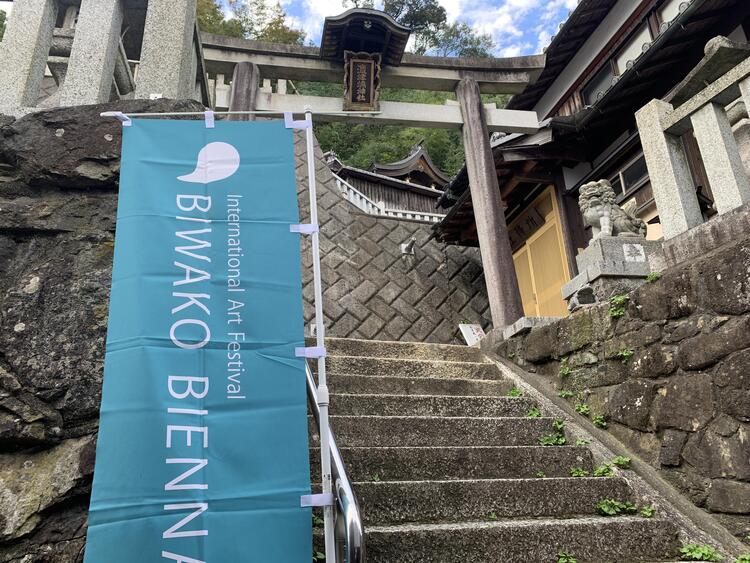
{"x":364,"y":50}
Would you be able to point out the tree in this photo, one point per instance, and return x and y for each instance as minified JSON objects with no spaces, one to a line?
{"x":2,"y":24}
{"x":262,"y":23}
{"x":459,"y":40}
{"x":211,"y":20}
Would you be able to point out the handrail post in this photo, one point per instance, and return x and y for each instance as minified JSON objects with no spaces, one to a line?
{"x":325,"y":453}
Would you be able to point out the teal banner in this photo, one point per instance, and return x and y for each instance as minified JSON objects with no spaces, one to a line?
{"x":202,"y":453}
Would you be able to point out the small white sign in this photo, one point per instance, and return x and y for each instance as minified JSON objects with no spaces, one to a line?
{"x":471,"y":333}
{"x":634,"y":252}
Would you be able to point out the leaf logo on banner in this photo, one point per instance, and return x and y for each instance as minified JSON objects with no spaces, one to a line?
{"x":216,"y":161}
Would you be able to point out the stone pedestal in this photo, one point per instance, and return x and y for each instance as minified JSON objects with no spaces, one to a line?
{"x":612,"y":265}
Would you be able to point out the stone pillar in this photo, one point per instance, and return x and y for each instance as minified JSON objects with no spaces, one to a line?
{"x":167,"y":52}
{"x":96,"y":46}
{"x":244,"y":90}
{"x":24,"y":51}
{"x":494,"y":244}
{"x":671,"y":180}
{"x":721,"y":157}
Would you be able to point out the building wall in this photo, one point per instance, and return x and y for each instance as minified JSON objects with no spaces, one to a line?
{"x":394,"y":198}
{"x":671,"y":376}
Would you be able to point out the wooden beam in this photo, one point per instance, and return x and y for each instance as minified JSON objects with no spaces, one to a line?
{"x":492,"y":232}
{"x":401,"y":113}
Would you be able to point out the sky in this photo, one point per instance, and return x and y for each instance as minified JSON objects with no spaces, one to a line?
{"x":519,"y":27}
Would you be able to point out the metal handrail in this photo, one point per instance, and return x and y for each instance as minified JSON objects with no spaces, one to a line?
{"x":349,"y":531}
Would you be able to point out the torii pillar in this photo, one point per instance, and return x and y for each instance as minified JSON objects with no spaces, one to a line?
{"x":494,"y":245}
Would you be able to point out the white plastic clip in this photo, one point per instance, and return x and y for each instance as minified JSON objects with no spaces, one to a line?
{"x":310,"y":352}
{"x":210,"y":119}
{"x":290,"y":123}
{"x":321,"y":499}
{"x":304,"y":228}
{"x":121,"y":117}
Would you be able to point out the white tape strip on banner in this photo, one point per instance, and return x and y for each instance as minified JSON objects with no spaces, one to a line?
{"x":290,"y":123}
{"x":310,"y":352}
{"x":210,"y":119}
{"x":322,"y":499}
{"x":304,"y":228}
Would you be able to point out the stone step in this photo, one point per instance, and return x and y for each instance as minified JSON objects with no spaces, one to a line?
{"x":351,"y":365}
{"x":367,"y":431}
{"x":590,"y":540}
{"x":429,"y":405}
{"x":370,"y":384}
{"x":399,"y":502}
{"x":458,"y":462}
{"x":404,"y":350}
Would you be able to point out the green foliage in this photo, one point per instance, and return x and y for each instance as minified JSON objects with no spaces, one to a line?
{"x":653,"y":276}
{"x":583,"y":409}
{"x":317,"y":521}
{"x":582,"y":442}
{"x":578,"y":472}
{"x":649,"y":511}
{"x":617,"y":305}
{"x":564,"y":557}
{"x":622,"y":462}
{"x":318,"y":557}
{"x":460,"y":40}
{"x":533,"y":412}
{"x":376,"y":478}
{"x":599,"y":421}
{"x":261,"y":22}
{"x":565,"y":370}
{"x":604,"y":470}
{"x":743,"y":558}
{"x":515,"y":392}
{"x":541,"y":474}
{"x":565,"y":394}
{"x":699,"y":552}
{"x":2,"y":24}
{"x":612,"y":507}
{"x":492,"y":516}
{"x":557,"y":438}
{"x":625,"y":354}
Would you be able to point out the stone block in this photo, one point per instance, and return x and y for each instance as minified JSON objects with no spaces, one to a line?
{"x":541,"y":343}
{"x":706,"y":349}
{"x":720,"y":457}
{"x":630,"y":404}
{"x":654,"y":361}
{"x":732,"y":378}
{"x":635,"y":255}
{"x":729,"y":496}
{"x":672,"y":443}
{"x":525,"y":324}
{"x":685,"y":403}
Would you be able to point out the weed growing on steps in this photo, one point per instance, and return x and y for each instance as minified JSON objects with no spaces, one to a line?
{"x":743,"y":558}
{"x":515,"y":392}
{"x":564,"y":557}
{"x":583,"y":409}
{"x":622,"y":462}
{"x":578,"y":472}
{"x":699,"y":552}
{"x":533,"y":412}
{"x":318,"y":557}
{"x":624,"y":355}
{"x":612,"y":507}
{"x":604,"y":470}
{"x":375,"y":478}
{"x":565,"y":394}
{"x":582,"y":442}
{"x":599,"y":421}
{"x":557,"y":438}
{"x":565,"y":370}
{"x":541,"y":474}
{"x":653,"y":277}
{"x":649,"y":511}
{"x":617,"y":304}
{"x":492,"y":516}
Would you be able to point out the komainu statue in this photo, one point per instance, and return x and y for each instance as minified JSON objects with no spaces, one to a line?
{"x":597,"y":203}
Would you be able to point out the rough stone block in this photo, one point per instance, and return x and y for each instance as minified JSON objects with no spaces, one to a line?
{"x":685,"y":402}
{"x":732,"y":377}
{"x":630,"y":404}
{"x":720,"y":457}
{"x":525,"y":324}
{"x":706,"y":349}
{"x":671,"y":447}
{"x":729,"y":496}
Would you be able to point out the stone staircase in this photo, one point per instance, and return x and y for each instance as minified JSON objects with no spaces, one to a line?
{"x":448,"y":468}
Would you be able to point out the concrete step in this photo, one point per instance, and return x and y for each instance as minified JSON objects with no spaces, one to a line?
{"x":591,"y":540}
{"x":429,"y":405}
{"x":368,"y":431}
{"x":399,"y":502}
{"x":405,"y":350}
{"x":370,"y":384}
{"x":458,"y":462}
{"x":352,"y":365}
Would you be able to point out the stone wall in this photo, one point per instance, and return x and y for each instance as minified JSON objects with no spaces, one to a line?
{"x":58,"y":200}
{"x":371,"y":289}
{"x":671,"y":375}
